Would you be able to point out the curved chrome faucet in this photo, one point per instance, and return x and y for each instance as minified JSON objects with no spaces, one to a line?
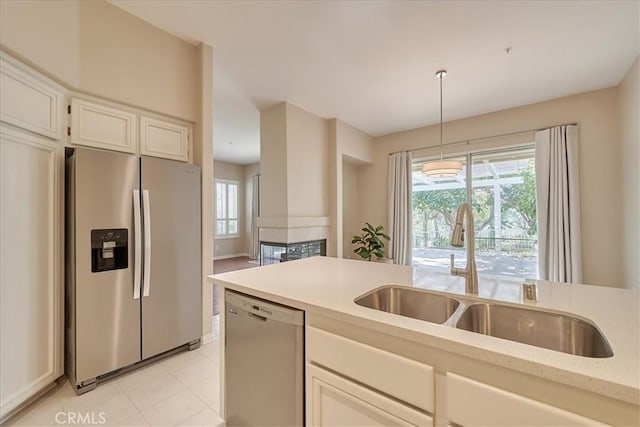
{"x":470,"y":273}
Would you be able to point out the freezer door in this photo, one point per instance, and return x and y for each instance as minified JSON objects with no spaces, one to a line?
{"x":172,"y":295}
{"x":107,"y":321}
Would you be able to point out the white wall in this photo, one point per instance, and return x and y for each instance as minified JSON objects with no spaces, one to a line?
{"x":629,"y":91}
{"x":597,"y":114}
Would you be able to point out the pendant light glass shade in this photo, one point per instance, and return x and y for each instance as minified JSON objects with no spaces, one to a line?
{"x":442,"y":168}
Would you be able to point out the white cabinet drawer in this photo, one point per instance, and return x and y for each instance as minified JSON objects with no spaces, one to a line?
{"x":335,"y":401}
{"x":397,"y":376}
{"x":471,"y":403}
{"x":99,"y":126}
{"x":165,"y":139}
{"x":29,"y":100}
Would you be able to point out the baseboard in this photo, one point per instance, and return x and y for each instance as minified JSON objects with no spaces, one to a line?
{"x":206,"y":339}
{"x":218,"y":258}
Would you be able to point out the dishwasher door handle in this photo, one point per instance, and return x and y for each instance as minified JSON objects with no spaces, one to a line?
{"x":258,"y":317}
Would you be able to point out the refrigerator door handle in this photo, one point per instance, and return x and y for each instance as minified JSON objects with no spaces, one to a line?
{"x":137,"y":259}
{"x":147,"y":244}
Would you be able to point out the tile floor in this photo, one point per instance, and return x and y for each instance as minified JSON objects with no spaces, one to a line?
{"x":182,"y":390}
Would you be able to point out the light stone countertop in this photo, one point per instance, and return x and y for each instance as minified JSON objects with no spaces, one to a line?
{"x":328,"y":286}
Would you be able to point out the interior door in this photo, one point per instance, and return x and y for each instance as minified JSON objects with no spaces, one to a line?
{"x":172,"y":285}
{"x":107,"y":313}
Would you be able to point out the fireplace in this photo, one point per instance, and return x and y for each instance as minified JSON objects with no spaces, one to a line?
{"x":273,"y":253}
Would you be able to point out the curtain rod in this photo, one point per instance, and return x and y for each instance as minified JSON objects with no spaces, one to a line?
{"x":468,"y":141}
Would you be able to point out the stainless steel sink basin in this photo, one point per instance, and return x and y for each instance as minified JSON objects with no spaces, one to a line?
{"x":410,"y":302}
{"x":555,"y":331}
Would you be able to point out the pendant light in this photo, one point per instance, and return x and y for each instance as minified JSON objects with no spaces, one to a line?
{"x":442,"y":168}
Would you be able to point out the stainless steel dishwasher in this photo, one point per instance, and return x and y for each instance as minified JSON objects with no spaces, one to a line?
{"x":264,"y":371}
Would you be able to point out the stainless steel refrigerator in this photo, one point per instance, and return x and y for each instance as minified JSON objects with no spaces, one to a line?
{"x":133,"y":261}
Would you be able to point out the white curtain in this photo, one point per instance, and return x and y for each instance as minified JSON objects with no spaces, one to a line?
{"x":558,"y":204}
{"x":399,"y":193}
{"x":255,"y":213}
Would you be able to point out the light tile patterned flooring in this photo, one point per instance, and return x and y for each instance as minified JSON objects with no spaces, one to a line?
{"x":182,"y":390}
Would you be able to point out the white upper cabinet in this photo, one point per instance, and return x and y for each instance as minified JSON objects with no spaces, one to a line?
{"x":161,"y":138}
{"x":100,"y":126}
{"x":112,"y":127}
{"x":29,"y":100}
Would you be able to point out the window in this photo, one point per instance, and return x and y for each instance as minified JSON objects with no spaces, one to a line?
{"x":226,"y":208}
{"x":501,"y":189}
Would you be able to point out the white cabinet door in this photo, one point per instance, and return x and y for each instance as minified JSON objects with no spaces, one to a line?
{"x":471,"y":403}
{"x":30,"y":266}
{"x":29,"y":100}
{"x":336,"y":401}
{"x":100,"y":126}
{"x":165,"y":139}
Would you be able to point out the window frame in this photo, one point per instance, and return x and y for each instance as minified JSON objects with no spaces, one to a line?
{"x":467,"y":155}
{"x":226,"y":218}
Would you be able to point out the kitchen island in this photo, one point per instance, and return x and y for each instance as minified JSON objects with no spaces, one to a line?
{"x":368,"y":365}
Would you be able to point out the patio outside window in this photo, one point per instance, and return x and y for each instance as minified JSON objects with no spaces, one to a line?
{"x":501,"y":189}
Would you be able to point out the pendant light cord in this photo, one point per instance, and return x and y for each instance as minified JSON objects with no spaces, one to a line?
{"x":440,"y":78}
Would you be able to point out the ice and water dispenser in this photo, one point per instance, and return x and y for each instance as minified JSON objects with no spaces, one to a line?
{"x":109,"y":249}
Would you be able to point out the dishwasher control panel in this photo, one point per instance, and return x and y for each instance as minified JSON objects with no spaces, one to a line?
{"x":237,"y":303}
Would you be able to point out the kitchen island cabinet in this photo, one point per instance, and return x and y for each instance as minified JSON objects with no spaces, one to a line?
{"x":349,"y":349}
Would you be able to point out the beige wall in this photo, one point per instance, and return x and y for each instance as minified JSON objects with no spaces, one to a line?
{"x":307,"y":164}
{"x":597,"y":114}
{"x":346,"y":143}
{"x":202,"y":155}
{"x":294,"y":164}
{"x":354,"y":143}
{"x":350,"y":224}
{"x":301,"y":164}
{"x":227,"y":247}
{"x":94,"y":47}
{"x":273,"y":155}
{"x":249,"y":172}
{"x":630,"y":153}
{"x":240,"y":246}
{"x":45,"y":35}
{"x":110,"y":37}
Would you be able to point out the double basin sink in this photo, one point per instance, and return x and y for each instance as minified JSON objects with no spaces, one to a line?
{"x":551,"y":330}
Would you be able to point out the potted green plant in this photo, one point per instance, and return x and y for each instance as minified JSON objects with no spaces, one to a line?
{"x":370,"y":244}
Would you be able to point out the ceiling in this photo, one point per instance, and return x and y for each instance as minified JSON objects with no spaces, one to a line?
{"x":372,"y":63}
